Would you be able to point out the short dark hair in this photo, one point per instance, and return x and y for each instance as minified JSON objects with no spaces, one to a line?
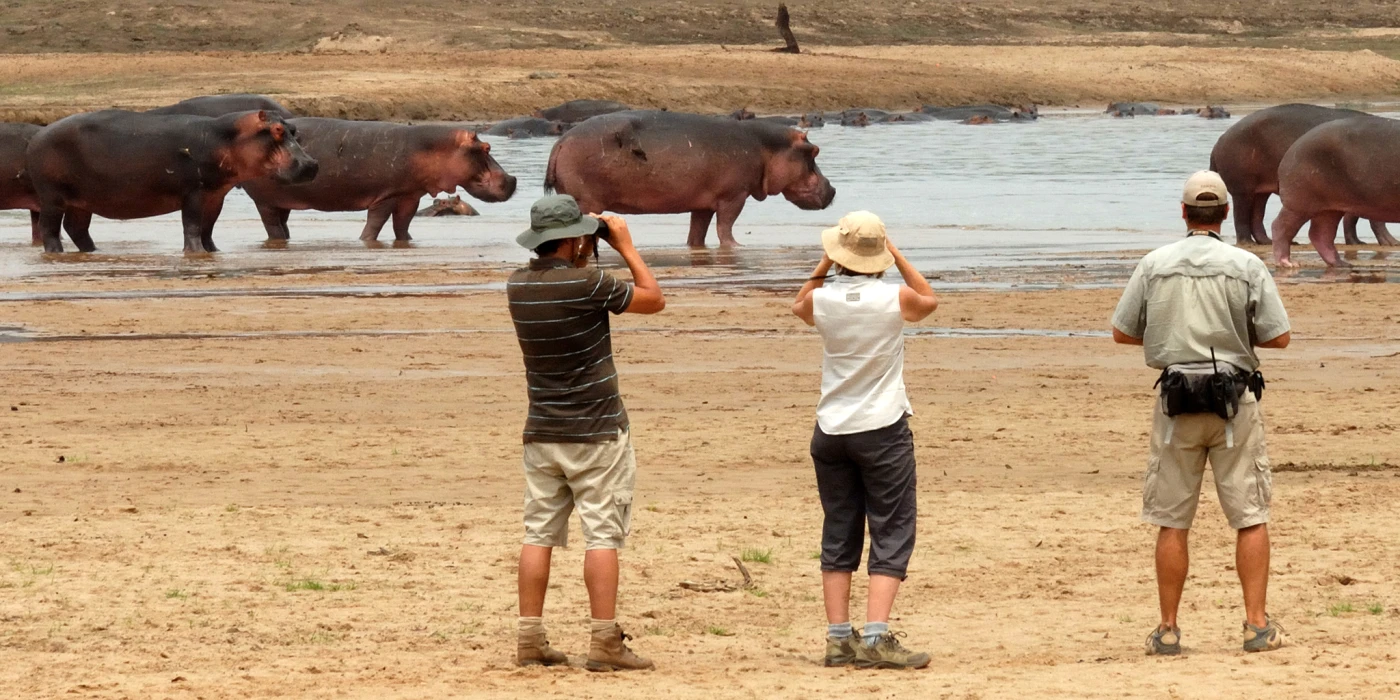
{"x":1208,"y":215}
{"x":549,"y":247}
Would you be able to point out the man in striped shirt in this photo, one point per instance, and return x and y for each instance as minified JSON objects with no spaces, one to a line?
{"x":578,"y":449}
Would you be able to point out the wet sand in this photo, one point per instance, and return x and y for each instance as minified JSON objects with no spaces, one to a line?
{"x":318,"y":496}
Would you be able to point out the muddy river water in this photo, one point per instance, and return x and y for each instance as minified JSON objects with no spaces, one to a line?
{"x":1061,"y":201}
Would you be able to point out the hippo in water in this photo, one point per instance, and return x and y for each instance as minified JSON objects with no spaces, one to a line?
{"x":1212,"y":112}
{"x":448,"y":206}
{"x":672,"y":163}
{"x":527,"y":127}
{"x":1345,"y":166}
{"x":381,"y":167}
{"x":812,"y":120}
{"x":1138,"y":109}
{"x":996,"y":113}
{"x":575,"y":111}
{"x":131,"y":165}
{"x":16,"y":192}
{"x":742,"y":114}
{"x":219,"y":105}
{"x":908,"y":118}
{"x":855,"y":119}
{"x":1248,"y":154}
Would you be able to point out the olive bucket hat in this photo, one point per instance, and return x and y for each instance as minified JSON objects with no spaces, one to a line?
{"x":553,"y":217}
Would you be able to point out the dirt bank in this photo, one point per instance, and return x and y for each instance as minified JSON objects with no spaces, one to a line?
{"x":318,"y":517}
{"x":462,"y":85}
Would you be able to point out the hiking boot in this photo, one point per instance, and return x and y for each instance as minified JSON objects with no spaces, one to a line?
{"x":609,"y":652}
{"x":887,"y":652}
{"x":1266,"y":638}
{"x":841,"y":652}
{"x":534,"y":650}
{"x":1164,"y":642}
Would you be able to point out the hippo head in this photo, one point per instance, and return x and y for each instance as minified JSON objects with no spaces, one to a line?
{"x":264,"y":144}
{"x":465,"y":161}
{"x":792,"y":171}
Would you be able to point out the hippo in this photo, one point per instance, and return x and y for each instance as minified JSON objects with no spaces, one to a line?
{"x":1248,"y":154}
{"x":995,"y":112}
{"x":16,"y":191}
{"x":856,"y":119}
{"x":575,"y":111}
{"x":872,"y":116}
{"x":448,"y":206}
{"x":812,"y":120}
{"x":781,"y":120}
{"x":741,"y":114}
{"x":219,"y":105}
{"x":131,"y":165}
{"x":1341,"y":167}
{"x":1211,"y":112}
{"x":908,"y":118}
{"x":381,"y":167}
{"x":647,"y":162}
{"x":527,"y":127}
{"x":1137,"y":109}
{"x":979,"y":119}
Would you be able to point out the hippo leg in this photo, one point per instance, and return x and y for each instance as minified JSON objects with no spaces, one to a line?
{"x":728,"y":213}
{"x":378,"y":215}
{"x":51,"y":228}
{"x":208,"y":216}
{"x":1323,"y":233}
{"x":275,"y":222}
{"x":1259,"y":203}
{"x":35,"y":236}
{"x":1244,"y":217}
{"x":404,"y":209}
{"x":76,"y":222}
{"x":1286,"y":226}
{"x":1383,"y":236}
{"x":1349,"y":230}
{"x":699,"y":227}
{"x":192,"y":221}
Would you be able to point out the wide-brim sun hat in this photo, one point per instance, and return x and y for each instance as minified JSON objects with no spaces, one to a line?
{"x":857,"y":243}
{"x":553,"y":217}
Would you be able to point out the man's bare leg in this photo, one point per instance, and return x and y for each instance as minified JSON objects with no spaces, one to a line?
{"x":881,"y":599}
{"x":1173,"y":561}
{"x":600,"y":576}
{"x":1252,"y":564}
{"x":836,"y":595}
{"x":533,"y":579}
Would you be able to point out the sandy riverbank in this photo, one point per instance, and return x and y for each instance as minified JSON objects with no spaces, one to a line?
{"x":335,"y":516}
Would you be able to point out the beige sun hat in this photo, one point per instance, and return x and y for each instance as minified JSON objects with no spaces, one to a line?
{"x":857,"y":243}
{"x":1205,"y":182}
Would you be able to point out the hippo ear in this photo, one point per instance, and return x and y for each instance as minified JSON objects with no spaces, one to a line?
{"x":262,"y":116}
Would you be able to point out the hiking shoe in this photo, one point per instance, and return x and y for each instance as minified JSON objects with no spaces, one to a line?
{"x":1164,"y":642}
{"x":534,"y":650}
{"x":1266,"y":638}
{"x":841,"y":652}
{"x":887,"y":652}
{"x":609,"y":652}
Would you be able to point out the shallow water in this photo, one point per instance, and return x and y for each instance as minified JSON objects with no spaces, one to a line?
{"x":1064,"y":192}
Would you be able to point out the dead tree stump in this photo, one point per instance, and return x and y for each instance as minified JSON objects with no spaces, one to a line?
{"x":784,"y":25}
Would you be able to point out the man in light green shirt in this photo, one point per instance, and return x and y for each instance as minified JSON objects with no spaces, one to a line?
{"x":1184,"y":303}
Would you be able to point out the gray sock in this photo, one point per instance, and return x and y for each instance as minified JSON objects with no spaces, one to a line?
{"x":840,"y":631}
{"x":872,"y":632}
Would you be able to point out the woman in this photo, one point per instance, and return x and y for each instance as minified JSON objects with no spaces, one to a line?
{"x":861,"y":447}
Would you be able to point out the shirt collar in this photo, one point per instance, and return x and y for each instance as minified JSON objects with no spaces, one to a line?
{"x":548,"y":263}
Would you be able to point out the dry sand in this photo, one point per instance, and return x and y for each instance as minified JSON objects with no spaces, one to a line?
{"x":470,"y":85}
{"x":337,"y":516}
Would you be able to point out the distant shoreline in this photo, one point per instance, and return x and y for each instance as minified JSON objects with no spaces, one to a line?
{"x":495,"y":84}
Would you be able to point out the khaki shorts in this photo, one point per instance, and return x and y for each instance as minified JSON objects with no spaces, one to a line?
{"x":597,"y":478}
{"x":1243,"y":480}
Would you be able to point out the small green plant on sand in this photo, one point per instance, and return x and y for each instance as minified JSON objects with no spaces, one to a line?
{"x":311,"y":584}
{"x":176,"y":593}
{"x":758,"y":593}
{"x":1339,"y":608}
{"x":762,"y":556}
{"x":718,"y":631}
{"x":1375,"y":608}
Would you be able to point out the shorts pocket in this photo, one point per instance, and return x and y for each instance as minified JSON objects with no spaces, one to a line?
{"x":1264,"y":480}
{"x":1149,"y":484}
{"x":623,"y":502}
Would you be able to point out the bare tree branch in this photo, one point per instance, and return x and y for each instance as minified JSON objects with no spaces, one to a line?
{"x":785,"y":29}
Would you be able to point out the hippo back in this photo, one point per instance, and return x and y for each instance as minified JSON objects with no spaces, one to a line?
{"x":1248,"y":154}
{"x":219,"y":105}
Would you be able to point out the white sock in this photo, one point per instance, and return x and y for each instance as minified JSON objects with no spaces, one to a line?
{"x":530,"y":626}
{"x":602,"y":625}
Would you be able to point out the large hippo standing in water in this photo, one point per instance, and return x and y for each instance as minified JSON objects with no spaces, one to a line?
{"x":1346,"y":166}
{"x":672,"y":163}
{"x":575,"y":111}
{"x":130,"y":165}
{"x":219,"y":105}
{"x":1248,"y":154}
{"x":16,"y":192}
{"x":385,"y":168}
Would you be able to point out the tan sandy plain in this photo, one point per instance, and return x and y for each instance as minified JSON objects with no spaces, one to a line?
{"x":336,"y":516}
{"x":491,"y":84}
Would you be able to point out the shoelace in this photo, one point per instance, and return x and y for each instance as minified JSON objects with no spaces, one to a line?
{"x":892,"y":639}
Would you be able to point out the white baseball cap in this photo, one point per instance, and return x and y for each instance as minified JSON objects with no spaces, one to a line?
{"x":1205,"y":182}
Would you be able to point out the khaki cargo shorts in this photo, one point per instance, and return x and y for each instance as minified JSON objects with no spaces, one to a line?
{"x":1175,"y":470}
{"x":597,"y":478}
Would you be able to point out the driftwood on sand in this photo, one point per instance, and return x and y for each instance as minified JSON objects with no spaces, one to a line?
{"x":784,"y":25}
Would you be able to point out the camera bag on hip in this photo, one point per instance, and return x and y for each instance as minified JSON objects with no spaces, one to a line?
{"x":1201,"y":387}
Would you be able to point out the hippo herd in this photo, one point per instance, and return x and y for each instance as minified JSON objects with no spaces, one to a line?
{"x":1329,"y":166}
